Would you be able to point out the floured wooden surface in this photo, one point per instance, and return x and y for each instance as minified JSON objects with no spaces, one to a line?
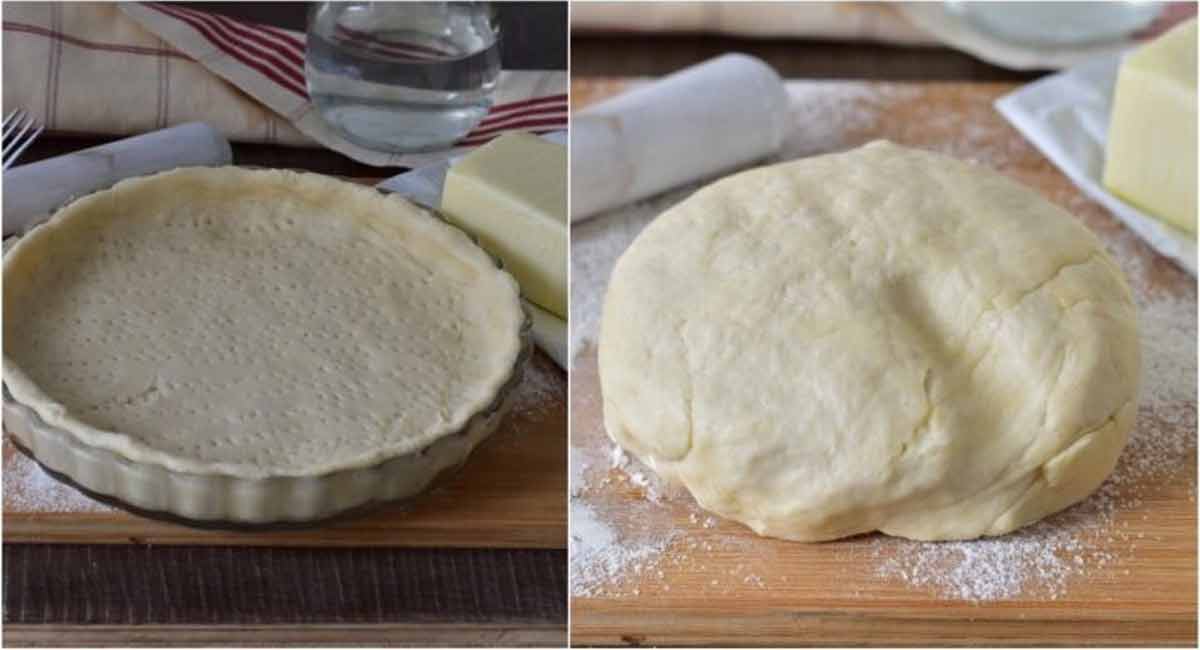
{"x":511,"y":493}
{"x":650,"y":567}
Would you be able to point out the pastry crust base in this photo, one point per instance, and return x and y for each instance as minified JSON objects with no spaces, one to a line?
{"x":389,"y":463}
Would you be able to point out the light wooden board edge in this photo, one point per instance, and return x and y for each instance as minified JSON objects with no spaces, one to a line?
{"x":328,"y":635}
{"x":700,"y":628}
{"x":21,"y":529}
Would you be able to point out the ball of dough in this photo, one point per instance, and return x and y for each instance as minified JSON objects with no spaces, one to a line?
{"x":884,"y":339}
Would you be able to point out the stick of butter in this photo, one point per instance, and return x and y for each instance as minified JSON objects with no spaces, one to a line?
{"x":512,"y":194}
{"x":1151,"y":157}
{"x":549,"y":333}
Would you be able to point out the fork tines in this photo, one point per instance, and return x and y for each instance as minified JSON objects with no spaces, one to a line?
{"x":19,"y":130}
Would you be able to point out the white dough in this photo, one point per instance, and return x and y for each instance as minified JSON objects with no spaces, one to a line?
{"x":885,"y":339}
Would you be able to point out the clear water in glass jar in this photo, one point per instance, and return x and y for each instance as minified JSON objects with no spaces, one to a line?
{"x":402,"y":76}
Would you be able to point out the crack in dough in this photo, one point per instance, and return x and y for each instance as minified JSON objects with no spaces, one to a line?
{"x":688,"y":393}
{"x":1021,"y":296}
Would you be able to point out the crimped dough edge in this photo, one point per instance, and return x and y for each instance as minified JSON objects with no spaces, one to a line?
{"x":365,"y":205}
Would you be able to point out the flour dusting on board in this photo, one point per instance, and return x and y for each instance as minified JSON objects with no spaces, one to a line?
{"x":28,"y":489}
{"x":829,"y":116}
{"x":618,"y":553}
{"x":601,"y":553}
{"x":541,"y":387}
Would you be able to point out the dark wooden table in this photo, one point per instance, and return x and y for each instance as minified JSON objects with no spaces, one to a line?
{"x":641,"y":55}
{"x":122,"y":595}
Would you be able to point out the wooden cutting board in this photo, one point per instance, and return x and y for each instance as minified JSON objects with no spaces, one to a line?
{"x":510,"y":493}
{"x":1119,"y":569}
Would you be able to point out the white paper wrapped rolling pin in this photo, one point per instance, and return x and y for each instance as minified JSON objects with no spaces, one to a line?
{"x":690,"y":125}
{"x":34,"y":191}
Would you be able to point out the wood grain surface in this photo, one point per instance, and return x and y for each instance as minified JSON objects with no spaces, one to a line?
{"x":510,"y":494}
{"x":181,"y":595}
{"x":148,"y":585}
{"x":385,"y":635}
{"x":716,"y":583}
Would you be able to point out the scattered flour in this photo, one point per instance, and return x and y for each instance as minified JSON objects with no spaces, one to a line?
{"x":833,"y":116}
{"x":623,"y":548}
{"x":618,"y":457}
{"x":1033,"y":562}
{"x":28,"y":489}
{"x":542,"y":385}
{"x":601,"y":558}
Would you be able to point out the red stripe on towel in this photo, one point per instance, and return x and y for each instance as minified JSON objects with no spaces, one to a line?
{"x":234,"y":50}
{"x":10,"y":26}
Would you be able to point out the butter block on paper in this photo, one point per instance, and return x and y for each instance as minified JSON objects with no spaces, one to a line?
{"x":1151,"y":157}
{"x":512,"y":194}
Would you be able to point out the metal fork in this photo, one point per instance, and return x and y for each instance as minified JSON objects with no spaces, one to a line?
{"x":19,"y":130}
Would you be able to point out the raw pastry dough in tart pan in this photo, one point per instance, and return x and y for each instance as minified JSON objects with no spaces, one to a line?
{"x":254,"y":347}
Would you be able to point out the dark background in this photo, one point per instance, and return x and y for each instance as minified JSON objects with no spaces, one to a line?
{"x":644,"y":55}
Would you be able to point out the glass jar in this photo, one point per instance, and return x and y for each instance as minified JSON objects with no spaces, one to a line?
{"x":402,"y":76}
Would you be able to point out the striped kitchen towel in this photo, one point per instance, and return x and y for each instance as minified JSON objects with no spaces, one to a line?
{"x":122,"y":68}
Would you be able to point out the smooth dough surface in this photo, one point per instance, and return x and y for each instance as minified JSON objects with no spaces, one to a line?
{"x":255,"y":323}
{"x":884,"y":339}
